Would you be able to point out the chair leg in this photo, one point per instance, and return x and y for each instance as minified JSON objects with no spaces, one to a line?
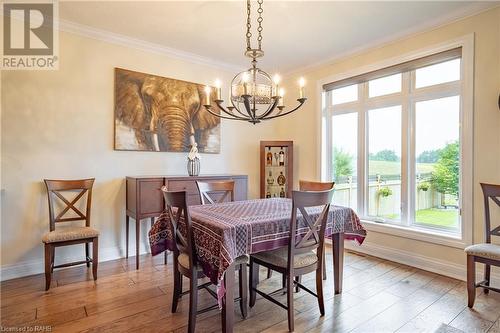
{"x":87,"y":256}
{"x":243,"y":284}
{"x":48,"y":265}
{"x":95,"y":257}
{"x":319,"y":292}
{"x":177,"y":289}
{"x":53,"y":255}
{"x":324,"y":265}
{"x":193,"y":301}
{"x":165,"y":259}
{"x":269,"y":273}
{"x":471,"y":280}
{"x":289,"y":301}
{"x":299,"y":280}
{"x":254,"y":281}
{"x":487,"y":271}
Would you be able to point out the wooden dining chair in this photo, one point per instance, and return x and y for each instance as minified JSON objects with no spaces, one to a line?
{"x":303,"y":254}
{"x":216,"y":192}
{"x":305,"y":185}
{"x":485,"y":253}
{"x":69,"y":235}
{"x":186,"y":262}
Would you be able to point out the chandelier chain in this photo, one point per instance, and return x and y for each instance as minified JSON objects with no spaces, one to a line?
{"x":249,"y":26}
{"x":260,"y":19}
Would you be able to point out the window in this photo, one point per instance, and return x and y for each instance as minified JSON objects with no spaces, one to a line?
{"x":393,"y":143}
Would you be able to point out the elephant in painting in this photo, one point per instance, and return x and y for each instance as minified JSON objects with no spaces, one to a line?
{"x":163,"y":114}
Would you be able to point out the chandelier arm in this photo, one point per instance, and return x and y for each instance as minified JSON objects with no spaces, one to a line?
{"x":301,"y":102}
{"x":237,"y":109}
{"x":271,"y":108}
{"x":246,"y":102}
{"x":208,"y":107}
{"x":219,"y":104}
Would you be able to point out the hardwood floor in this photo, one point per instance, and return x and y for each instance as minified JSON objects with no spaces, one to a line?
{"x":379,"y":296}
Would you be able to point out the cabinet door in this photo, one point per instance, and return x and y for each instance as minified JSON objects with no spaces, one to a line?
{"x":151,"y":196}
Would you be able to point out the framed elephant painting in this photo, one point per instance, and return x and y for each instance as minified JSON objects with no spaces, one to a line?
{"x":154,"y":113}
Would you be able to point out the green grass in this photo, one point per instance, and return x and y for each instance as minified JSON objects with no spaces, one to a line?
{"x":447,"y":218}
{"x":438,"y":217}
{"x":393,"y":168}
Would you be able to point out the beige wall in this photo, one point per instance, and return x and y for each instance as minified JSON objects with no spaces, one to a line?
{"x":486,"y":29}
{"x":59,"y":124}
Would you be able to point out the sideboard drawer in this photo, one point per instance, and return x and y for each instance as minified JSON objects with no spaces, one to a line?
{"x":183,"y":185}
{"x":151,"y":197}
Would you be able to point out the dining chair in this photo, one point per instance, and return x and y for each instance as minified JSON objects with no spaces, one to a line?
{"x":306,"y":185}
{"x":69,"y":235}
{"x":303,"y":254}
{"x":216,"y":192}
{"x":185,"y":259}
{"x":485,"y":253}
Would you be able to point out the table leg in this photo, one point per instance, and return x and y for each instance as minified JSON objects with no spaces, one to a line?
{"x":137,"y":237}
{"x":127,"y":220}
{"x":338,"y":261}
{"x":227,"y":312}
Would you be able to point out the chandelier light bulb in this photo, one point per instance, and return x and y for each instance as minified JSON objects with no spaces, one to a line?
{"x":207,"y":95}
{"x":302,"y":84}
{"x":276,"y":79}
{"x":281,"y":101}
{"x":218,"y":92}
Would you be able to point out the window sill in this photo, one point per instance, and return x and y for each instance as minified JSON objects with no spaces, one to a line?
{"x":420,"y":234}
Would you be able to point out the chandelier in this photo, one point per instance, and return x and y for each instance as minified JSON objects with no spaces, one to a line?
{"x":253,"y":95}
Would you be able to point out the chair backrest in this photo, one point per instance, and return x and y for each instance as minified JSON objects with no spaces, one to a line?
{"x":314,"y":236}
{"x":177,"y":210}
{"x":305,"y":185}
{"x":55,"y":188}
{"x":205,"y":188}
{"x":490,"y":191}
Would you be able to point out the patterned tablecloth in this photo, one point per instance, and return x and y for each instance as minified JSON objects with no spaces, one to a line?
{"x":226,"y":231}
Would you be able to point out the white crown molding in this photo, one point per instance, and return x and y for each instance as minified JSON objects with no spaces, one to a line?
{"x":449,"y":18}
{"x":123,"y":40}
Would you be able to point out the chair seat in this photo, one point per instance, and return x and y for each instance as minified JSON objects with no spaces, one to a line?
{"x":69,"y":233}
{"x":485,"y":250}
{"x":183,"y":260}
{"x":279,"y":257}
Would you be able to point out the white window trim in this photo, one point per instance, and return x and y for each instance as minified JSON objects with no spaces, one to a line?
{"x":466,"y":144}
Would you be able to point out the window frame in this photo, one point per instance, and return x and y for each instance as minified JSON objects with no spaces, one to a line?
{"x":407,"y":99}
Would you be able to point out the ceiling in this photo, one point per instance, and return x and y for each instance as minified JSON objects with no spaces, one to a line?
{"x":296,"y":34}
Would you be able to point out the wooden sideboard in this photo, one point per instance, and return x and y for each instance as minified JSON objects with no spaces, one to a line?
{"x":145,"y":199}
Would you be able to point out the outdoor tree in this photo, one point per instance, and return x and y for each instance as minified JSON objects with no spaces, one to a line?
{"x":446,"y":171}
{"x":385,"y":155}
{"x":342,"y":163}
{"x":429,"y":156}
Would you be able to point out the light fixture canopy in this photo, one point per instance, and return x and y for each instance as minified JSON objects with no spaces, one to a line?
{"x":254,"y":95}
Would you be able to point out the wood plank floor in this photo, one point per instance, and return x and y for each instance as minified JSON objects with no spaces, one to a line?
{"x":379,"y":296}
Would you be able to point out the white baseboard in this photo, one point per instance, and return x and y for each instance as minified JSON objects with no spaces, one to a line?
{"x":434,"y":265}
{"x":32,"y":267}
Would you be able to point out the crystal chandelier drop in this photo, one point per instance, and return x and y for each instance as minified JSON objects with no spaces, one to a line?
{"x":253,"y":95}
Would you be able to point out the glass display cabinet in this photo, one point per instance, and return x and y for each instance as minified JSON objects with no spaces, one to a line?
{"x":276,"y":169}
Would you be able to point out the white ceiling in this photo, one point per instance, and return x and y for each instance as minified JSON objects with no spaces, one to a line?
{"x":296,"y":34}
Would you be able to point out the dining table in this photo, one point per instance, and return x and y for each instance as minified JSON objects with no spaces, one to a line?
{"x":224,"y":231}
